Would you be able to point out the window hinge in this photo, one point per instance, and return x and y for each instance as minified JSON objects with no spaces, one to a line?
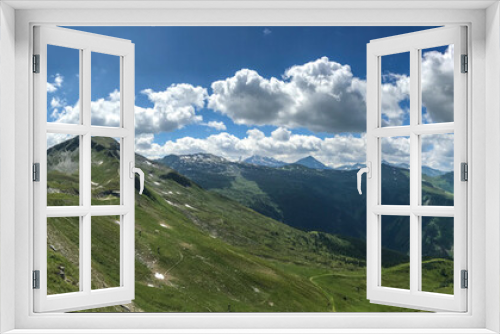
{"x":465,"y":279}
{"x":465,"y":64}
{"x":36,"y":63}
{"x":36,"y":279}
{"x":464,"y":171}
{"x":36,"y":172}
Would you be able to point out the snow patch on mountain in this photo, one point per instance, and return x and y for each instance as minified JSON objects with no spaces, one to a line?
{"x":264,"y":161}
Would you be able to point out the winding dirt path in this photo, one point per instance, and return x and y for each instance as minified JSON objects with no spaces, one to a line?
{"x":327,"y":295}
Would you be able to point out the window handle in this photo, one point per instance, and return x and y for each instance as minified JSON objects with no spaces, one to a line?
{"x":133,"y":171}
{"x":368,"y":171}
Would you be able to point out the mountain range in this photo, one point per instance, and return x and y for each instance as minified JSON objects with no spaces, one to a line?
{"x":313,"y":163}
{"x":306,"y":198}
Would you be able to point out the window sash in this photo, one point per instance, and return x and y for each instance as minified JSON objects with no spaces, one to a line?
{"x":414,"y":298}
{"x":85,"y":298}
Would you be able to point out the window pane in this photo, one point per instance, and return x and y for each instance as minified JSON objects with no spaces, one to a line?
{"x":395,"y":89}
{"x":63,"y":85}
{"x":437,"y":254}
{"x":63,"y":169}
{"x":395,"y":170}
{"x":105,"y":171}
{"x":437,"y":82}
{"x":105,"y":107}
{"x":63,"y":255}
{"x":395,"y":251}
{"x":437,"y":169}
{"x":105,"y":252}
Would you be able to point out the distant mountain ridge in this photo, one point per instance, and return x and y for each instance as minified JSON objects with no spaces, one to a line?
{"x":311,"y":162}
{"x":264,"y":161}
{"x":355,"y":166}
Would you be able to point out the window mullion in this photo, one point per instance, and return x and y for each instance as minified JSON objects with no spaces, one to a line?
{"x":415,"y":254}
{"x":85,"y":249}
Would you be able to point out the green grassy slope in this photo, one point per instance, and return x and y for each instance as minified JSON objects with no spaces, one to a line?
{"x":199,"y":251}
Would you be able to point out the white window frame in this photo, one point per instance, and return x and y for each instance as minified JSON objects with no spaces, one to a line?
{"x":483,"y":314}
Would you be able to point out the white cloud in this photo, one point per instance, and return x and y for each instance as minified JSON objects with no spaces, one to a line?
{"x":438,"y":151}
{"x":58,"y":80}
{"x":55,"y":102}
{"x":216,"y":125}
{"x":395,"y":89}
{"x":281,"y":144}
{"x":324,"y":96}
{"x":396,"y":150}
{"x":438,"y":85}
{"x":104,"y":111}
{"x":281,"y":134}
{"x":173,"y":109}
{"x":56,"y":138}
{"x":267,"y":31}
{"x":321,"y":95}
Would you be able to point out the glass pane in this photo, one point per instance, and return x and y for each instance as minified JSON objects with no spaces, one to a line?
{"x":105,"y":171}
{"x":437,"y":84}
{"x":395,"y":170}
{"x":437,"y":254}
{"x":63,"y":255}
{"x":105,"y":107}
{"x":63,"y":85}
{"x":63,"y":169}
{"x":437,"y":169}
{"x":395,"y":89}
{"x":105,"y":252}
{"x":396,"y":251}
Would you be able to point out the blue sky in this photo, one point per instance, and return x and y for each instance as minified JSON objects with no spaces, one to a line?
{"x":200,"y":56}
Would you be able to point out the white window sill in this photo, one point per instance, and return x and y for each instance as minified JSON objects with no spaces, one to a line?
{"x":252,"y":331}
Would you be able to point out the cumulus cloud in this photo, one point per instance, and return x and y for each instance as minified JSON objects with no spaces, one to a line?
{"x":281,"y":144}
{"x":325,"y":96}
{"x":281,"y":134}
{"x":396,"y":150}
{"x":394,"y":90}
{"x":56,"y":102}
{"x":58,"y":80}
{"x":437,"y":85}
{"x":173,"y":109}
{"x":321,"y":95}
{"x":216,"y":125}
{"x":104,"y":111}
